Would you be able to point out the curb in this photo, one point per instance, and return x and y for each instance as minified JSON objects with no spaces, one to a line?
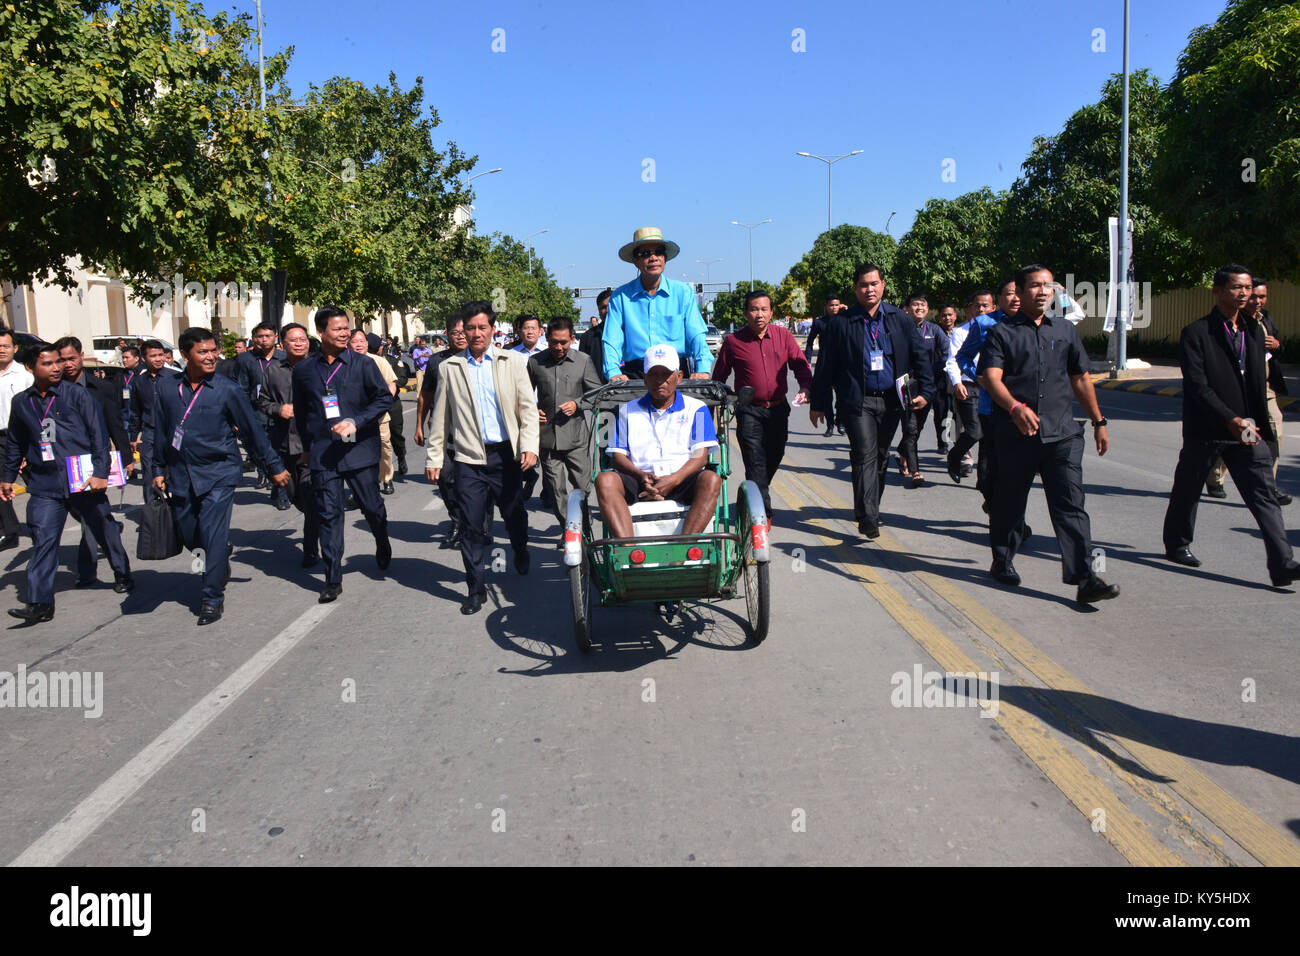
{"x":1169,"y":391}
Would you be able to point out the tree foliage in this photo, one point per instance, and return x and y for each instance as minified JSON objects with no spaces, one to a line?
{"x":827,"y":268}
{"x":1230,"y":163}
{"x":953,"y":247}
{"x":728,"y":307}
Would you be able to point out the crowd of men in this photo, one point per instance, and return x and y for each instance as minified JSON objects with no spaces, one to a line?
{"x":322,"y":425}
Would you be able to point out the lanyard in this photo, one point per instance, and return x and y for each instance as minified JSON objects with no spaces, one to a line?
{"x":338,"y":364}
{"x":1239,"y":346}
{"x":180,"y":392}
{"x":265,"y":363}
{"x":874,"y":335}
{"x":129,"y":376}
{"x":47,"y":407}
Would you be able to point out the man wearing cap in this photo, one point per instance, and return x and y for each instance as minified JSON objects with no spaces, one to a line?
{"x":659,"y":447}
{"x":652,"y":309}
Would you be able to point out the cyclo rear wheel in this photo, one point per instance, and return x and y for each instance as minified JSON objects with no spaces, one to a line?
{"x":753,"y":577}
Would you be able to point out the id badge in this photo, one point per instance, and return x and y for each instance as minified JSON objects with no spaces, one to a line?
{"x":126,"y":393}
{"x":331,"y":402}
{"x":877,"y":360}
{"x":177,"y":436}
{"x":47,"y":451}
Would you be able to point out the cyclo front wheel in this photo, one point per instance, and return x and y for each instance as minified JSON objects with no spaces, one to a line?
{"x":753,"y":576}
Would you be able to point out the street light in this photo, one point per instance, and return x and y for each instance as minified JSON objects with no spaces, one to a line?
{"x":486,"y":172}
{"x":1122,"y":302}
{"x":829,"y":161}
{"x":706,"y":263}
{"x":751,"y":227}
{"x":889,"y":220}
{"x":530,"y":248}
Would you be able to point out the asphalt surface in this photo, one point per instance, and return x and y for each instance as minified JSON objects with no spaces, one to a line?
{"x":387,"y":728}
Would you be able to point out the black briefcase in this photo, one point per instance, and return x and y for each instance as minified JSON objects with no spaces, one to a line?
{"x":158,"y":539}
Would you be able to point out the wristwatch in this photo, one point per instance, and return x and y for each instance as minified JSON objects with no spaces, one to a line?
{"x":1100,"y":423}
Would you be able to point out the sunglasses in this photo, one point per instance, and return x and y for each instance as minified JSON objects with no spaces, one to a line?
{"x":659,"y":251}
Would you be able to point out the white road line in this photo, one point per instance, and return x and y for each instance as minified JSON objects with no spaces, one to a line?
{"x":434,"y":504}
{"x":66,"y":835}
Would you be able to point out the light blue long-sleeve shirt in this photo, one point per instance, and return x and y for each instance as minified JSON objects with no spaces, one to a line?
{"x":638,"y":320}
{"x":491,"y":424}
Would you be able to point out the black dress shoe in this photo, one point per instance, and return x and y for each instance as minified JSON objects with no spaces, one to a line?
{"x":123,"y":583}
{"x":1183,"y":556}
{"x":86,"y":582}
{"x":1216,"y":492}
{"x":331,"y":593}
{"x":8,"y":541}
{"x":1095,"y":589}
{"x":384,"y":554}
{"x":386,"y":488}
{"x":401,"y":466}
{"x":954,"y":467}
{"x":282,"y":504}
{"x":1006,"y":573}
{"x":839,"y":429}
{"x":869,"y":528}
{"x":523,"y":561}
{"x":209,"y":614}
{"x":1025,"y":533}
{"x":33,"y":613}
{"x":1283,"y":499}
{"x":262,"y":482}
{"x":830,"y":430}
{"x":310,"y":560}
{"x":1290,"y":574}
{"x":473,"y":604}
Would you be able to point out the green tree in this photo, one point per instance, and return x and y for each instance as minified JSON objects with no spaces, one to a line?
{"x":953,"y":248}
{"x":827,"y":268}
{"x":1229,"y":167}
{"x":1058,"y":208}
{"x":117,"y":135}
{"x":728,"y":307}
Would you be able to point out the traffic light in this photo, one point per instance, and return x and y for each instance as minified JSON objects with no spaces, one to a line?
{"x":577,"y":293}
{"x":699,"y":288}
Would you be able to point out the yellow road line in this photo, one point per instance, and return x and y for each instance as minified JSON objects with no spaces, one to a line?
{"x":1124,"y":830}
{"x":1252,"y":833}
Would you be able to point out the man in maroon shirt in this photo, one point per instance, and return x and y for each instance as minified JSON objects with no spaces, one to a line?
{"x":759,"y":354}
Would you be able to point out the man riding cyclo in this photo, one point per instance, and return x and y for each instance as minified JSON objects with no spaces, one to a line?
{"x":659,"y":448}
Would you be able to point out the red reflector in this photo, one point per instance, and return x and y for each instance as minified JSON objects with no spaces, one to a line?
{"x":694,"y":554}
{"x":637,"y":556}
{"x":571,"y":535}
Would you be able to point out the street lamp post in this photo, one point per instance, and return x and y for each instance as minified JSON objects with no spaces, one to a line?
{"x":486,"y":172}
{"x":1122,"y":312}
{"x":706,"y":263}
{"x":530,"y":248}
{"x":751,"y":227}
{"x":829,"y":161}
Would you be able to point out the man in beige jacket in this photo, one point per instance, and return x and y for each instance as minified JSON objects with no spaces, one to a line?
{"x":485,"y":406}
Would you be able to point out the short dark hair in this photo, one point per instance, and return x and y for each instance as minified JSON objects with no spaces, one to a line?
{"x":454,"y":320}
{"x":1257,"y":281}
{"x":527,"y":317}
{"x":327,"y":312}
{"x":153,"y":344}
{"x":132,"y":349}
{"x":1024,"y":272}
{"x":1004,"y":283}
{"x":294,"y":325}
{"x":1231,"y":269}
{"x":9,"y":332}
{"x":479,"y":307}
{"x":970,"y":299}
{"x":33,"y":352}
{"x":193,"y":336}
{"x":753,"y":294}
{"x":947,"y":305}
{"x":917,"y":297}
{"x":603,"y":296}
{"x":560,"y":323}
{"x":832,"y":298}
{"x":260,"y":326}
{"x":866,"y":267}
{"x":68,"y":342}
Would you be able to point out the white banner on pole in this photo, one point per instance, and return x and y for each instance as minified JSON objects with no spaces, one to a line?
{"x":1114,"y":285}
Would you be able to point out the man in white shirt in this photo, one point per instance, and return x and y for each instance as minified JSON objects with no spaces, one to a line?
{"x":13,"y":379}
{"x":660,"y":446}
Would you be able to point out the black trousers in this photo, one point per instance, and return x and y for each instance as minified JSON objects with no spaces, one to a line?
{"x":871,"y":432}
{"x":942,"y":406}
{"x":302,"y":493}
{"x":45,"y":519}
{"x":447,"y":488}
{"x":9,"y":525}
{"x":837,"y":409}
{"x":1060,"y":465}
{"x":478,"y":487}
{"x":967,"y":412}
{"x":1251,"y":467}
{"x":328,"y":485}
{"x":762,"y":434}
{"x":986,"y":463}
{"x":395,"y":424}
{"x":913,"y":425}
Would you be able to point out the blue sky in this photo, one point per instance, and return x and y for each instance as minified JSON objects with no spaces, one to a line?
{"x":714,"y":93}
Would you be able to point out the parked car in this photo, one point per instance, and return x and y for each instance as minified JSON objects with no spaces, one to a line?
{"x":104,"y":348}
{"x":713,"y":337}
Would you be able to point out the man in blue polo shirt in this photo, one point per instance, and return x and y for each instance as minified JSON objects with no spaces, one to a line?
{"x":652,"y":310}
{"x":660,"y":446}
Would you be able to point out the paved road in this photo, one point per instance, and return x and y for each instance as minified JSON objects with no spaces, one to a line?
{"x":389,"y":729}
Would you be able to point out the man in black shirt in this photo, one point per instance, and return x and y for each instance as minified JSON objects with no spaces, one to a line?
{"x":250,"y":369}
{"x":140,"y":426}
{"x":818,"y":330}
{"x":590,"y":345}
{"x":1033,"y":366}
{"x":1225,"y":413}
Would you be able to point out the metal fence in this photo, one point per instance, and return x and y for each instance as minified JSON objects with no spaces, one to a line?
{"x":1170,"y":312}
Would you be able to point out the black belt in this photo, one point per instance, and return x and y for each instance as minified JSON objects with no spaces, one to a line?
{"x":497,"y":445}
{"x":876,"y":394}
{"x":772,"y":404}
